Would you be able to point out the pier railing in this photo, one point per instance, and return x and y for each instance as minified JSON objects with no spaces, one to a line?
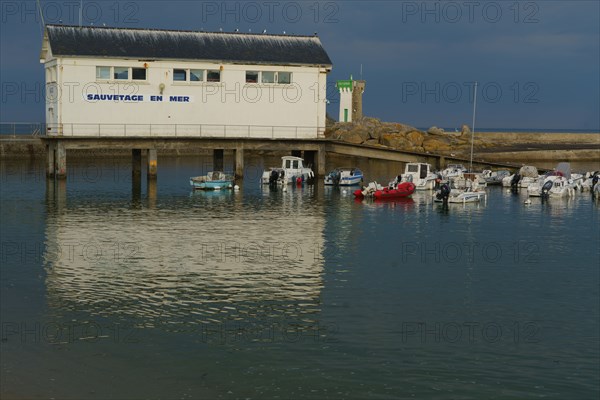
{"x":161,"y":130}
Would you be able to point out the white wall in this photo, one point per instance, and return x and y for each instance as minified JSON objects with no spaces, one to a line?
{"x":345,"y":103}
{"x":257,"y":110}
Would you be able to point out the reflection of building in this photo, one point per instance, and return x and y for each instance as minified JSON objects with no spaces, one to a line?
{"x":124,"y":82}
{"x":351,"y":92}
{"x":217,"y":262}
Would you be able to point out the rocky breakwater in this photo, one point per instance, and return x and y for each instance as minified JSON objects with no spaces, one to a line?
{"x":372,"y":131}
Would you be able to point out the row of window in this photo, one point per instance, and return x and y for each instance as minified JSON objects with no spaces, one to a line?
{"x":196,"y":75}
{"x":283,"y":78}
{"x":121,"y":73}
{"x":192,"y":75}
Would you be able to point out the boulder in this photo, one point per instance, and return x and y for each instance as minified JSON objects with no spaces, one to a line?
{"x":395,"y":141}
{"x":415,"y":137}
{"x":434,"y":145}
{"x":352,"y":137}
{"x":434,"y":130}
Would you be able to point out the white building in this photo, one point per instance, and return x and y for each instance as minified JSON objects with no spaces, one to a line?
{"x":351,"y":92}
{"x":143,"y":82}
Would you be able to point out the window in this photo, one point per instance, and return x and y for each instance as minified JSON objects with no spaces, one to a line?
{"x":138,"y":74}
{"x":284,"y":78}
{"x":196,"y":75}
{"x":102,"y":72}
{"x":121,"y":73}
{"x":180,"y":75}
{"x":251,"y":77}
{"x":268,"y":77}
{"x":213,"y":76}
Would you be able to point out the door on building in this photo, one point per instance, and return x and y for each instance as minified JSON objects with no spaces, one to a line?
{"x":345,"y":115}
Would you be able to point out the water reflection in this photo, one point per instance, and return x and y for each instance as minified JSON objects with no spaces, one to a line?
{"x":208,"y":258}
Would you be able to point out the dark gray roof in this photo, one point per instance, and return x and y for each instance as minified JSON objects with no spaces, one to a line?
{"x":186,"y":45}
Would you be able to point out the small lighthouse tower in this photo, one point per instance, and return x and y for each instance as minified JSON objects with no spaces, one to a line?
{"x":351,"y":92}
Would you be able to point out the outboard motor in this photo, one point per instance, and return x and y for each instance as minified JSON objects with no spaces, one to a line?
{"x":514,"y":183}
{"x":444,"y":193}
{"x":336,"y":176}
{"x":546,"y":188}
{"x":273,"y":178}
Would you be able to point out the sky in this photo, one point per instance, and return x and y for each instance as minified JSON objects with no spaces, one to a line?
{"x":537,"y":63}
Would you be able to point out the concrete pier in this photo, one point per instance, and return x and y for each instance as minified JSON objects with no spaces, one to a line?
{"x":60,"y":161}
{"x":136,"y":163}
{"x":239,"y":162}
{"x":152,"y":164}
{"x":218,"y":159}
{"x":50,"y":152}
{"x":320,"y":170}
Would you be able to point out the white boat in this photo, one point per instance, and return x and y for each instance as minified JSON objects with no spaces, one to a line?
{"x":292,"y":171}
{"x":421,"y":175}
{"x":527,"y":175}
{"x":468,"y":181}
{"x":589,"y":180}
{"x":216,"y":180}
{"x":558,"y":183}
{"x":494,"y":177}
{"x":459,"y":196}
{"x":344,"y":177}
{"x":453,"y":170}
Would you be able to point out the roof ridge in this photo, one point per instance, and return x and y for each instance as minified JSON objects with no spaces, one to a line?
{"x":179,"y":31}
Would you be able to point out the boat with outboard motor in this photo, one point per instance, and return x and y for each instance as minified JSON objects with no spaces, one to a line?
{"x":527,"y":175}
{"x":558,"y":183}
{"x":395,"y":190}
{"x":462,"y":196}
{"x":344,"y":177}
{"x":292,"y":171}
{"x":214,"y":180}
{"x":421,"y":175}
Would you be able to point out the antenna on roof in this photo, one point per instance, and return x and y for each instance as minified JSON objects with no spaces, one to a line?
{"x":43,"y":25}
{"x":80,"y":11}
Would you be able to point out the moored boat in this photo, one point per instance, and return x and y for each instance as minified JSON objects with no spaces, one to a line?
{"x":421,"y":175}
{"x":344,"y":177}
{"x":292,"y":171}
{"x":215,"y":180}
{"x":376,"y":191}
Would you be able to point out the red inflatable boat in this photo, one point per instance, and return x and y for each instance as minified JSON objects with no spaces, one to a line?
{"x":402,"y":190}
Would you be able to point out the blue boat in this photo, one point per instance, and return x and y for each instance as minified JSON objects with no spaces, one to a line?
{"x":344,"y":177}
{"x":215,"y":180}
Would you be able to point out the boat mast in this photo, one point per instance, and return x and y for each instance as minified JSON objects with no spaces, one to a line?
{"x":473,"y":125}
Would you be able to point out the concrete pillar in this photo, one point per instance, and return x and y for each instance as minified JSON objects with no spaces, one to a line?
{"x":297,"y":153}
{"x":218,"y":160}
{"x":441,"y":162}
{"x":321,"y":162}
{"x":60,"y":160}
{"x":50,"y":160}
{"x":239,"y":162}
{"x":152,"y":164}
{"x":152,"y":193}
{"x":136,"y":162}
{"x":136,"y":188}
